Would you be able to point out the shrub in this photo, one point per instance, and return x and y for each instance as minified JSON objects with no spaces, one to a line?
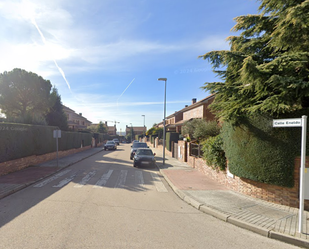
{"x":257,"y":151}
{"x":213,"y":152}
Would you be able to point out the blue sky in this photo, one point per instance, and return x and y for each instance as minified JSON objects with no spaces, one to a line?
{"x":105,"y":56}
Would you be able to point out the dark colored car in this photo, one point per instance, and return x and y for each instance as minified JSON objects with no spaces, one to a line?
{"x":116,"y":141}
{"x":110,"y":145}
{"x":135,"y":146}
{"x":144,"y":156}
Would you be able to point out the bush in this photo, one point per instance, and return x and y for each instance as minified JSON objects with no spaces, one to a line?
{"x":20,"y":140}
{"x":205,"y":129}
{"x":257,"y":151}
{"x":200,"y":129}
{"x":213,"y":152}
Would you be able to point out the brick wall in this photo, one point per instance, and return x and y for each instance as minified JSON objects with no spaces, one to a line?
{"x":21,"y":163}
{"x":271,"y":193}
{"x":194,"y":113}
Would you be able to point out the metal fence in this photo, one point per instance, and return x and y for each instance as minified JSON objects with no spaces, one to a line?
{"x":195,"y":150}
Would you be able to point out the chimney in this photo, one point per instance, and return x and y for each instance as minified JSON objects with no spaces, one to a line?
{"x":186,"y":105}
{"x":80,"y":114}
{"x":193,"y":101}
{"x":106,"y":123}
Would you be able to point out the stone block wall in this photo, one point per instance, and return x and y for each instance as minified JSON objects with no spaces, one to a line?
{"x":271,"y":193}
{"x":21,"y":163}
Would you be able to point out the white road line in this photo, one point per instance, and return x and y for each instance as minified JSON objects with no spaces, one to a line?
{"x":65,"y":181}
{"x":139,"y":177}
{"x":121,"y":179}
{"x":158,"y":183}
{"x":103,"y":180}
{"x":85,"y":179}
{"x":41,"y":184}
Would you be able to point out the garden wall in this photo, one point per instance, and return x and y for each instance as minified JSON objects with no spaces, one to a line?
{"x":271,"y":193}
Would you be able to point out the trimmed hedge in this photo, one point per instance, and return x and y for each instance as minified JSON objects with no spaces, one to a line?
{"x":22,"y":140}
{"x":171,"y":137}
{"x":257,"y":151}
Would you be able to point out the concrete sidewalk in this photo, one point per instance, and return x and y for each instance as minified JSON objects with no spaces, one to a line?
{"x":270,"y":220}
{"x":265,"y":218}
{"x":18,"y":180}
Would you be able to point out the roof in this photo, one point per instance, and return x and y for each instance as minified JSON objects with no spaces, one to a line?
{"x":198,"y":103}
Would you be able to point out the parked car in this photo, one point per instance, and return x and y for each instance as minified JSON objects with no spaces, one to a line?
{"x":135,"y":141}
{"x":135,"y":146}
{"x":144,"y":156}
{"x":110,"y":145}
{"x":116,"y":141}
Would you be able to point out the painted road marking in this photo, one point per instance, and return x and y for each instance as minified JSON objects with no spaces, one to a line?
{"x":65,"y":181}
{"x":48,"y":180}
{"x":121,"y":179}
{"x":85,"y":179}
{"x":139,"y":177}
{"x":158,"y":183}
{"x":103,"y":180}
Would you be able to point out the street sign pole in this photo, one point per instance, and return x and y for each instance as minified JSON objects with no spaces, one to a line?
{"x":302,"y":170}
{"x":57,"y":135}
{"x":57,"y":150}
{"x":298,"y":122}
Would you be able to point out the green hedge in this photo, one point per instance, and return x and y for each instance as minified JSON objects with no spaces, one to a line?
{"x":21,"y":140}
{"x":171,"y":137}
{"x":257,"y":151}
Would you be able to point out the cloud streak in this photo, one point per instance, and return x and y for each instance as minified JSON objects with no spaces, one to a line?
{"x":125,"y":90}
{"x":45,"y":42}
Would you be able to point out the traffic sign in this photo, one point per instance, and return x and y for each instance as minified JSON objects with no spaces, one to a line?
{"x":291,"y":122}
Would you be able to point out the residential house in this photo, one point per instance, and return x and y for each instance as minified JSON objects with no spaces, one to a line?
{"x":137,"y":130}
{"x":197,"y":109}
{"x":111,"y":130}
{"x":76,"y":121}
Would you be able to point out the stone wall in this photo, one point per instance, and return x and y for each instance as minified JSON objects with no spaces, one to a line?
{"x":21,"y":163}
{"x":271,"y":193}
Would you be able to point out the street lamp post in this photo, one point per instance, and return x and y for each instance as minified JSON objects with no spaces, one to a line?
{"x":144,"y":133}
{"x":131,"y":133}
{"x":164,"y":79}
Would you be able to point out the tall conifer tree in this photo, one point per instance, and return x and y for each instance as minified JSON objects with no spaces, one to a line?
{"x":266,"y":69}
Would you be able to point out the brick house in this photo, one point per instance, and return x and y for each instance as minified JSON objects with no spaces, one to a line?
{"x":111,"y":130}
{"x":138,"y":130}
{"x":197,"y":109}
{"x":76,"y":121}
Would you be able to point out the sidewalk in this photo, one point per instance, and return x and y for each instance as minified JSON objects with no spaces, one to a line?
{"x":16,"y":181}
{"x":265,"y":218}
{"x":268,"y":219}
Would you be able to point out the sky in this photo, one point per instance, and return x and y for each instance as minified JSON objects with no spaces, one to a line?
{"x":105,"y":56}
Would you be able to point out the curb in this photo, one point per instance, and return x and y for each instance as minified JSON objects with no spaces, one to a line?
{"x":12,"y":191}
{"x":227,"y":218}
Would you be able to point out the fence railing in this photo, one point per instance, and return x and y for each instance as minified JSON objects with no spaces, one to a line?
{"x":195,"y":150}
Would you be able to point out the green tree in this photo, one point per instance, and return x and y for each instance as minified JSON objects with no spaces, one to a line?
{"x":200,"y":129}
{"x":205,"y":129}
{"x":56,"y":115}
{"x":266,"y":69}
{"x":101,"y":128}
{"x":24,"y":96}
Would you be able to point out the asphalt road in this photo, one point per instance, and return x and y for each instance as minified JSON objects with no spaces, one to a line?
{"x":104,"y":202}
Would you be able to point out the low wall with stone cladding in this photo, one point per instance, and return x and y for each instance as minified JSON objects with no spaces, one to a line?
{"x":21,"y":163}
{"x":271,"y":193}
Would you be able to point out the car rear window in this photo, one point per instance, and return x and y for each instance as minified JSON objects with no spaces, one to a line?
{"x":144,"y":152}
{"x":139,"y":145}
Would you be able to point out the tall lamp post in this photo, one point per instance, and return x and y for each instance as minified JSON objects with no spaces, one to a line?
{"x":164,"y":79}
{"x":131,"y":133}
{"x":144,"y":133}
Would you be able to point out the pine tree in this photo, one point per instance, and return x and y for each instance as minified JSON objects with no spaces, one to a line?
{"x":266,"y":69}
{"x":56,"y":115}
